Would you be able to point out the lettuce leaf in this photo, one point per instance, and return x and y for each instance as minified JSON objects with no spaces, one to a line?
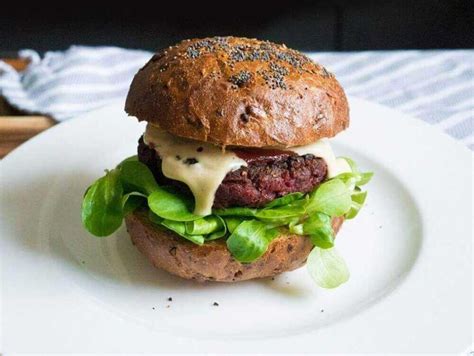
{"x":213,"y":226}
{"x":180,"y":228}
{"x":236,"y":211}
{"x":282,"y":213}
{"x":232,"y":222}
{"x":319,"y":228}
{"x":172,"y":205}
{"x":137,"y":177}
{"x":102,"y":206}
{"x":358,"y":199}
{"x":284,"y":200}
{"x":332,"y":198}
{"x":327,"y":267}
{"x":250,"y":240}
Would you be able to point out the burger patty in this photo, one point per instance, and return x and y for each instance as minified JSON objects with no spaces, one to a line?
{"x":265,"y":178}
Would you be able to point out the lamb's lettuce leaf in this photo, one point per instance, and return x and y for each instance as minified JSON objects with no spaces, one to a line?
{"x":250,"y":240}
{"x":236,"y":211}
{"x":332,"y":198}
{"x":213,"y":226}
{"x":137,"y":177}
{"x":102,"y":206}
{"x":169,"y":204}
{"x":232,"y":222}
{"x":327,"y":267}
{"x":284,"y":200}
{"x":319,"y":228}
{"x":132,"y":201}
{"x":180,"y":228}
{"x":358,"y":199}
{"x":282,"y":213}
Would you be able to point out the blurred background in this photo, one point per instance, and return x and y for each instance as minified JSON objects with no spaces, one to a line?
{"x":330,"y":25}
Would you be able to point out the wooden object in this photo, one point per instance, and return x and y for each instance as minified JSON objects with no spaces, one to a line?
{"x":14,"y":130}
{"x":17,"y":127}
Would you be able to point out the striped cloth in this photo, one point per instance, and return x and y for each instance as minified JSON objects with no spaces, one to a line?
{"x":435,"y":86}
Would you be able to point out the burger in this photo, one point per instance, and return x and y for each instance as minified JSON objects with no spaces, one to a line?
{"x":234,"y":176}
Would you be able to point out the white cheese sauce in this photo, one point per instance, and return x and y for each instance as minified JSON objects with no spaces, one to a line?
{"x":323,"y":150}
{"x":202,"y":166}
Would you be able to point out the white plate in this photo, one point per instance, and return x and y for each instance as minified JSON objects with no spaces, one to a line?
{"x":409,"y":254}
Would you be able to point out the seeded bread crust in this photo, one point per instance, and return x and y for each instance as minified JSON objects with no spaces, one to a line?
{"x":213,"y":261}
{"x":234,"y":91}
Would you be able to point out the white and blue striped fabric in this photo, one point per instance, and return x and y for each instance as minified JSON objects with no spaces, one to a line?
{"x":436,"y":86}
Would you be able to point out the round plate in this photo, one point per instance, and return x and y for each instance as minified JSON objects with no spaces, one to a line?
{"x":409,"y":254}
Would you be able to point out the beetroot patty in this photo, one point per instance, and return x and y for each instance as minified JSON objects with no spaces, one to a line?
{"x":266,"y":177}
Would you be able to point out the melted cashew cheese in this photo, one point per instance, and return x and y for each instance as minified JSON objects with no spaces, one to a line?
{"x":202,"y":166}
{"x":323,"y":150}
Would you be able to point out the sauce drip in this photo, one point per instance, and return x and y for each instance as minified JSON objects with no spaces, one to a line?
{"x":201,"y":166}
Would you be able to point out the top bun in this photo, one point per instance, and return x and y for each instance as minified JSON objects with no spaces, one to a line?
{"x":233,"y":91}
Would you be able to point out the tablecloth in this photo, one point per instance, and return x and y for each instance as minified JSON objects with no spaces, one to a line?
{"x":436,"y":86}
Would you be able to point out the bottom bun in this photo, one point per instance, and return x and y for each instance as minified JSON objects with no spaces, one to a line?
{"x":213,"y":261}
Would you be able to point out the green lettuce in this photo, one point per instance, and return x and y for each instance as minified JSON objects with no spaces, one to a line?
{"x":169,"y":204}
{"x":250,"y":240}
{"x":103,"y":205}
{"x":332,"y":198}
{"x":248,"y":231}
{"x":327,"y":267}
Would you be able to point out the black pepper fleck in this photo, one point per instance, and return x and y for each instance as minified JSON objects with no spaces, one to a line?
{"x":244,"y":117}
{"x":170,"y":299}
{"x":215,"y":304}
{"x":190,"y":161}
